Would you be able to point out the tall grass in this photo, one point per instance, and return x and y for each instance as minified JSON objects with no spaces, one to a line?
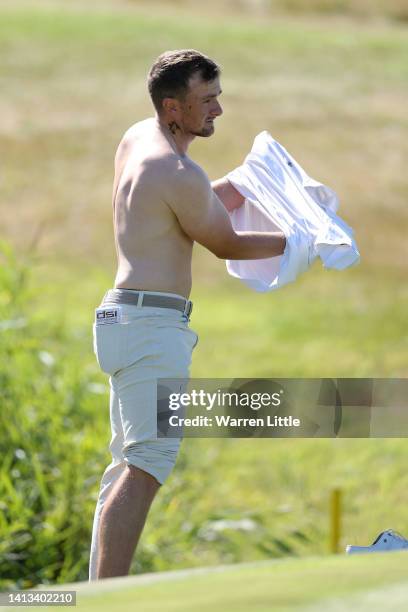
{"x":46,"y":420}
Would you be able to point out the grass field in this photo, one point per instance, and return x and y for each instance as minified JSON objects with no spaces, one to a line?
{"x":377,"y":583}
{"x":332,"y":90}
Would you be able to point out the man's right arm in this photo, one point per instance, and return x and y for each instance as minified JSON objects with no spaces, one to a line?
{"x":204,"y":219}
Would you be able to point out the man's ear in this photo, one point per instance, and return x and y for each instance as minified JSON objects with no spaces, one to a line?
{"x":171,"y":106}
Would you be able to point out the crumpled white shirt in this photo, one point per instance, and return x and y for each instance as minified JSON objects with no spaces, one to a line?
{"x":280,"y":196}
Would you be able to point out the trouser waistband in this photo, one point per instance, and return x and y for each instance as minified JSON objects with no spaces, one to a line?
{"x":148,"y":298}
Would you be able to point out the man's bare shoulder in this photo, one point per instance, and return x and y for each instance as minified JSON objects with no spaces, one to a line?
{"x":162,"y":161}
{"x":184,"y":171}
{"x":186,"y":184}
{"x":133,"y":134}
{"x":149,"y":145}
{"x":177,"y":178}
{"x":137,"y":129}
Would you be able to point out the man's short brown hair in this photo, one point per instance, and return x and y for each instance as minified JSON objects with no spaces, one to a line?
{"x":171,"y":72}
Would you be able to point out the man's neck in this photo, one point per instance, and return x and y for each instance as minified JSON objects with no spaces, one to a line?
{"x":178,"y":139}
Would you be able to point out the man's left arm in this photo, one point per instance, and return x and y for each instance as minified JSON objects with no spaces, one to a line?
{"x":226,"y":192}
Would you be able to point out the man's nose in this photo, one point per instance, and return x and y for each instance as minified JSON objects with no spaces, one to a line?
{"x":217,"y":110}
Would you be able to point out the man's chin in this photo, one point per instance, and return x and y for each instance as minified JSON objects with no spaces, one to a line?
{"x":205,"y":132}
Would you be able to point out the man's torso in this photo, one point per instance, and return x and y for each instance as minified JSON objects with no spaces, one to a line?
{"x":153,"y":252}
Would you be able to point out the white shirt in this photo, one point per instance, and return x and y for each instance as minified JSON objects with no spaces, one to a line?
{"x":280,"y":196}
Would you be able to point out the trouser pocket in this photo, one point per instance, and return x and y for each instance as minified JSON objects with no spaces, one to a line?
{"x":110,"y":346}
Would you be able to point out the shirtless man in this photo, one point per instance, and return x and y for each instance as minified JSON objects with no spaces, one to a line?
{"x":162,"y":203}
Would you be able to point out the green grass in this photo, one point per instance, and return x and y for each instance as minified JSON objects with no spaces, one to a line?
{"x":332,"y":91}
{"x":376,"y":582}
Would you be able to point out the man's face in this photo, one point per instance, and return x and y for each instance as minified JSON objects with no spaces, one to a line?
{"x":200,"y":106}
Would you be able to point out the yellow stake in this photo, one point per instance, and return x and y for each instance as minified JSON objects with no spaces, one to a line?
{"x":335,"y":519}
